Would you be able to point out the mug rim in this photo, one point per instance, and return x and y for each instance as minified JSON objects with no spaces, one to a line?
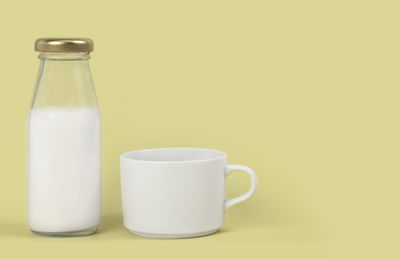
{"x":218,"y":155}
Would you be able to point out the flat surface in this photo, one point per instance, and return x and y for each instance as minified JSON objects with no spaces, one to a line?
{"x":112,"y":239}
{"x":304,"y":92}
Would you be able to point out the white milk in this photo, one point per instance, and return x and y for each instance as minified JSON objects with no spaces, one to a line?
{"x":64,"y":178}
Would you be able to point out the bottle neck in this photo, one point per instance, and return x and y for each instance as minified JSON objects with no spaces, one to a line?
{"x":64,"y":80}
{"x":64,"y":56}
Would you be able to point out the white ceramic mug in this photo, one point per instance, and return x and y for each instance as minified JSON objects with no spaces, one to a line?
{"x":177,"y":192}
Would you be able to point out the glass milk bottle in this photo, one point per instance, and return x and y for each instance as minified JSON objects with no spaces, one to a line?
{"x":64,"y":174}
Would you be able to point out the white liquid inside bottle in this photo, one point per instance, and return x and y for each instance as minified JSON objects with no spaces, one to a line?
{"x":64,"y":169}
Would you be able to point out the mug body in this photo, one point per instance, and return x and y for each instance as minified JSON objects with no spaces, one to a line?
{"x":173,"y":192}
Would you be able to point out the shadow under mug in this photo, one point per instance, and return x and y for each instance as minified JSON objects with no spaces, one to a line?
{"x":177,"y":192}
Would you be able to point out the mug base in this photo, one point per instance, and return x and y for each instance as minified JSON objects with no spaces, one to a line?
{"x":174,"y":236}
{"x":77,"y":233}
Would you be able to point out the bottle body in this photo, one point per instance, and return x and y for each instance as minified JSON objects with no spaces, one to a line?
{"x":64,"y":148}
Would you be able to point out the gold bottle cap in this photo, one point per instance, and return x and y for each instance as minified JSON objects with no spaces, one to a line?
{"x":64,"y":45}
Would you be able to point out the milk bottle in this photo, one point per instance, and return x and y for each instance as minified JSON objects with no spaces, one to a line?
{"x":64,"y":142}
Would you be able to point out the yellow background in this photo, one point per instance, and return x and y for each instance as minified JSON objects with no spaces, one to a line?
{"x":304,"y":92}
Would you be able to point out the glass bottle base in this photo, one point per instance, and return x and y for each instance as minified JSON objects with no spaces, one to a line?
{"x":77,"y":233}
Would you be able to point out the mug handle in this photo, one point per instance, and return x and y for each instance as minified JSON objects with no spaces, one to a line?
{"x":253,"y":177}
